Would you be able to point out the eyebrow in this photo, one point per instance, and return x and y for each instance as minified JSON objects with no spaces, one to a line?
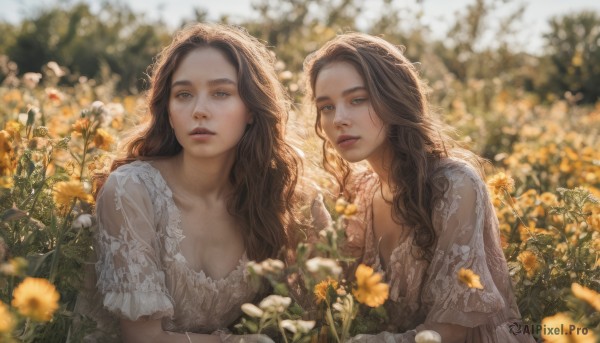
{"x":344,"y":93}
{"x":215,"y":82}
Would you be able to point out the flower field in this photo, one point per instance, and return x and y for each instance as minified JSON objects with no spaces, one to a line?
{"x":544,"y":176}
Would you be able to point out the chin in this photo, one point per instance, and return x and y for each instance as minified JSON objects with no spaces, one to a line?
{"x":352,"y":157}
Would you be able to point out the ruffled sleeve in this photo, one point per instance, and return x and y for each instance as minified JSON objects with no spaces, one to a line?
{"x":128,"y":268}
{"x":466,"y":239}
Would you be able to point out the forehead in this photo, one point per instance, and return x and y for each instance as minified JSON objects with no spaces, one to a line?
{"x":336,"y":77}
{"x":205,"y":62}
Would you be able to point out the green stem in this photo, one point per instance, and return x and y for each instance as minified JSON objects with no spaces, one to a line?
{"x":329,"y":318}
{"x":59,"y":241}
{"x":282,"y":330}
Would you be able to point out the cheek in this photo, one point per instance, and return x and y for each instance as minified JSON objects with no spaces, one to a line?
{"x":326,"y":126}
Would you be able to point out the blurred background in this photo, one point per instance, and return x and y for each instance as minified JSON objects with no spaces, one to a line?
{"x":519,"y":80}
{"x":543,"y":47}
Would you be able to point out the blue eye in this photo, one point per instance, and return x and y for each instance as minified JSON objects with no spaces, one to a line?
{"x":357,"y":101}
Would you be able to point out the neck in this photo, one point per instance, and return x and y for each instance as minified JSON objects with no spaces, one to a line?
{"x":380,"y":162}
{"x":204,"y":178}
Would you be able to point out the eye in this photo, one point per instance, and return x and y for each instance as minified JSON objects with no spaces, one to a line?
{"x":183,"y":95}
{"x":221,"y":94}
{"x":326,"y":108}
{"x":358,"y":101}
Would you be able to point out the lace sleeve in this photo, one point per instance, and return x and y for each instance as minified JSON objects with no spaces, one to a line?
{"x":129,"y":277}
{"x":461,"y":220}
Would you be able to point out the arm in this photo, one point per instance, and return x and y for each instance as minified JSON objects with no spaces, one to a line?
{"x":460,"y":223}
{"x":130,"y":279}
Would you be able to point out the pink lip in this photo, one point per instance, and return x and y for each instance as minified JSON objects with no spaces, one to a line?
{"x":201,"y":131}
{"x":345,"y":141}
{"x":201,"y":134}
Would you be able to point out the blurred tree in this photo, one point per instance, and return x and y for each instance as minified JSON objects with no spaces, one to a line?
{"x":295,"y":28}
{"x":573,"y":49}
{"x":83,"y":41}
{"x":8,"y":36}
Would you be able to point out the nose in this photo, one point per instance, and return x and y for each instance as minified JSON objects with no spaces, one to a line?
{"x":341,"y":117}
{"x":201,"y":109}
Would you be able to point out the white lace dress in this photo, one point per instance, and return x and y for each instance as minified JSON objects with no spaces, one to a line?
{"x":423,"y":293}
{"x":141,"y":272}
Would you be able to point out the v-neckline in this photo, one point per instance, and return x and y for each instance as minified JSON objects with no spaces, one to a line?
{"x":174,"y":223}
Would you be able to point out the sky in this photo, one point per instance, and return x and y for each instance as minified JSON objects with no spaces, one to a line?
{"x":437,"y":14}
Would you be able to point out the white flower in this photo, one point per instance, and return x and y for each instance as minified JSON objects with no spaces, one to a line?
{"x":275,"y":303}
{"x":97,"y":105}
{"x":301,"y":326}
{"x":272,"y":266}
{"x":31,"y":79}
{"x":288,"y":325}
{"x":285,"y":75}
{"x":252,"y":310}
{"x":255,"y":268}
{"x":428,"y":336}
{"x":83,"y":221}
{"x":329,"y":231}
{"x":55,"y":68}
{"x":268,"y":266}
{"x":344,"y":305}
{"x":317,"y":264}
{"x":304,"y":326}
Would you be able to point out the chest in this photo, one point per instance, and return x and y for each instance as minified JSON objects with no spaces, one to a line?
{"x":213,"y":241}
{"x":387,"y":232}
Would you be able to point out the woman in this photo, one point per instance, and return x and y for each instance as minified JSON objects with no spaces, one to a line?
{"x":425,"y":211}
{"x":205,"y":186}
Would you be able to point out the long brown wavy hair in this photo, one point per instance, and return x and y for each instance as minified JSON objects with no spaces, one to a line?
{"x":416,"y":137}
{"x":265,"y":171}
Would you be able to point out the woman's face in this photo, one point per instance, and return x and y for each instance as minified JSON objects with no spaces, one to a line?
{"x":205,"y":109}
{"x":346,"y":114}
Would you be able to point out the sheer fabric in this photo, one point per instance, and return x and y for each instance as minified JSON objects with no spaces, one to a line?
{"x":141,"y":272}
{"x":424,"y":293}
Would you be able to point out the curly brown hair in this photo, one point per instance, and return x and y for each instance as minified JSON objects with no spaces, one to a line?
{"x":416,"y":137}
{"x":266,"y":167}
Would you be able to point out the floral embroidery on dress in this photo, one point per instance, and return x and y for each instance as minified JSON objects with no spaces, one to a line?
{"x":141,"y":271}
{"x":423,"y":292}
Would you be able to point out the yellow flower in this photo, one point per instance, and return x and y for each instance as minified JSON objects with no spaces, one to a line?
{"x":6,"y":182}
{"x":549,"y":199}
{"x":7,"y":321}
{"x":103,"y":140}
{"x":7,"y":163}
{"x":469,"y":278}
{"x":588,"y":295}
{"x":322,"y":287}
{"x":526,"y":233}
{"x":553,"y":334}
{"x":66,"y":191}
{"x":81,"y":125}
{"x":350,"y":210}
{"x":369,"y":288}
{"x":501,"y":182}
{"x":36,"y":298}
{"x":340,"y":205}
{"x":530,"y":262}
{"x":13,"y":128}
